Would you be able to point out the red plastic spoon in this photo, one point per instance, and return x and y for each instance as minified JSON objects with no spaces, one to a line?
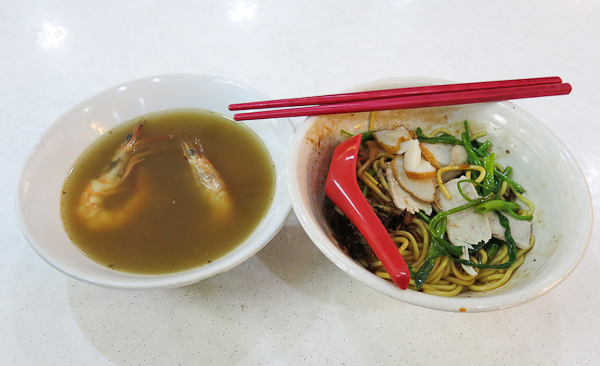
{"x":341,"y":187}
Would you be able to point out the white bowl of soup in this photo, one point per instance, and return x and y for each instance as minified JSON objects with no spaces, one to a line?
{"x":151,"y":184}
{"x":561,"y":209}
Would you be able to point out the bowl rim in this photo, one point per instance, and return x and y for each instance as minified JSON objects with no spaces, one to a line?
{"x":274,"y":219}
{"x":475,"y":304}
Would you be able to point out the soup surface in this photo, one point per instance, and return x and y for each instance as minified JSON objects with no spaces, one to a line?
{"x":158,"y":202}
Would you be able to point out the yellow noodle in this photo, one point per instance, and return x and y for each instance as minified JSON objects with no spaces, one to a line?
{"x":365,"y":167}
{"x":445,"y":293}
{"x":385,"y":155}
{"x":440,"y":171}
{"x":376,"y":264}
{"x":458,"y":274}
{"x":486,"y":272}
{"x":438,"y":270}
{"x":438,"y":131}
{"x":483,"y":255}
{"x":419,"y":262}
{"x":503,"y":188}
{"x":338,"y":210}
{"x":384,"y":208}
{"x":447,"y":270}
{"x":384,"y":182}
{"x":410,"y":237}
{"x":501,"y":281}
{"x":382,"y":162}
{"x":459,"y":281}
{"x":491,"y":278}
{"x":446,"y":279}
{"x":403,"y":240}
{"x":525,"y":201}
{"x":375,"y":168}
{"x":440,"y":287}
{"x":370,"y":177}
{"x":531,"y":244}
{"x":502,"y":254}
{"x":372,"y":121}
{"x":478,"y":135}
{"x":422,"y":229}
{"x":383,"y":275}
{"x":434,"y":279}
{"x":373,"y":186}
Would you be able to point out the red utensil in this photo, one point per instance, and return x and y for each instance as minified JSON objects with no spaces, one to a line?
{"x":391,"y":93}
{"x":342,"y":188}
{"x":416,"y":101}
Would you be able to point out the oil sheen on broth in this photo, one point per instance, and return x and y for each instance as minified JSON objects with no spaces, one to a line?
{"x":159,"y":218}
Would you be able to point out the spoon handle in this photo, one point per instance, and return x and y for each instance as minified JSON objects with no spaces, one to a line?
{"x":342,"y":188}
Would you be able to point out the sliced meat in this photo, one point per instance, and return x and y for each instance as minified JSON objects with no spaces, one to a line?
{"x":403,"y":199}
{"x":390,"y":140}
{"x":422,"y":189}
{"x":465,"y":255}
{"x":465,"y":227}
{"x":415,"y":166}
{"x":439,"y":155}
{"x":457,"y":157}
{"x":519,"y":229}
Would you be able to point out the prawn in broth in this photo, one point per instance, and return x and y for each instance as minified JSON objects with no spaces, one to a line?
{"x":167,"y":192}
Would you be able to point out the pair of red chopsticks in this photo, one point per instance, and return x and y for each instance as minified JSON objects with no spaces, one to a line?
{"x":405,"y":98}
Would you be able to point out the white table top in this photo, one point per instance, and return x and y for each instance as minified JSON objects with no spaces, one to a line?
{"x":288,"y":304}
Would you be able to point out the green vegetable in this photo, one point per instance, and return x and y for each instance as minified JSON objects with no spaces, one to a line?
{"x":477,"y":247}
{"x":472,"y":158}
{"x":434,"y":252}
{"x":365,"y":190}
{"x":423,"y":217}
{"x":347,"y":133}
{"x":437,"y":227}
{"x":505,"y":177}
{"x":488,"y":184}
{"x":500,"y":205}
{"x":440,"y":139}
{"x":366,"y":136}
{"x":480,"y":149}
{"x":500,"y":179}
{"x":492,"y":247}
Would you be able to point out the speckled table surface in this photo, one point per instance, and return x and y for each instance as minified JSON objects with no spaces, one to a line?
{"x":288,"y":304}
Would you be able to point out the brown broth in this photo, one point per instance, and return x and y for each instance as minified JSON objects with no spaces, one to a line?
{"x":170,"y":226}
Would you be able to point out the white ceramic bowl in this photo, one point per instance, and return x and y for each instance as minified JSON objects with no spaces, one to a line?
{"x":553,"y":180}
{"x":40,"y":185}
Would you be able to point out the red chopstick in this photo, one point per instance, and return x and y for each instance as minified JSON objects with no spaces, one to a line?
{"x":417,"y":101}
{"x":389,"y":93}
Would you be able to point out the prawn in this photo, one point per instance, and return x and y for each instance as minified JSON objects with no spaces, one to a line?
{"x":90,"y":207}
{"x":208,"y":179}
